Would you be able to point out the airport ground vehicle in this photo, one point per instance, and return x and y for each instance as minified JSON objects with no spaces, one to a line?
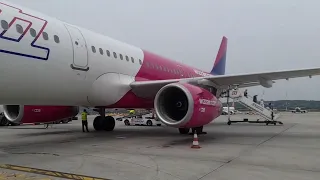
{"x":146,"y":119}
{"x":299,"y":110}
{"x":225,"y":110}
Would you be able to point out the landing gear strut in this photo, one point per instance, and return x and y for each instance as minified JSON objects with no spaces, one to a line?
{"x":186,"y":130}
{"x":199,"y":130}
{"x":103,"y":122}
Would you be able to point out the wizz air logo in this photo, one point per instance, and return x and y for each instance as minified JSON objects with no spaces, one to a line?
{"x":21,"y":32}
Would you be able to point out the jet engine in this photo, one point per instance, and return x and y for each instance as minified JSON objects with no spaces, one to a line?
{"x":185,"y":105}
{"x":31,"y":114}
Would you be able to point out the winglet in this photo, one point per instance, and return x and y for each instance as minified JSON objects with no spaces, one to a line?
{"x":219,"y":66}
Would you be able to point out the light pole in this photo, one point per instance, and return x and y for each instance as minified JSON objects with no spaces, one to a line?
{"x":286,"y":101}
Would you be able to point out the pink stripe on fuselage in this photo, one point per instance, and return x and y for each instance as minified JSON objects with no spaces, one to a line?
{"x":155,"y":67}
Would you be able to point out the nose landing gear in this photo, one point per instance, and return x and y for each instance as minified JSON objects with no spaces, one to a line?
{"x":199,"y":130}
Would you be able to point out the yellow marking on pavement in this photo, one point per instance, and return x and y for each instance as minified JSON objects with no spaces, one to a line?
{"x":17,"y":176}
{"x":49,"y":173}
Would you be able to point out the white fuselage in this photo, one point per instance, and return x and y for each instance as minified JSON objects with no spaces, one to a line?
{"x":56,"y":73}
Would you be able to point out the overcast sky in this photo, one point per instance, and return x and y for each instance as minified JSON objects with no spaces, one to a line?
{"x":262,"y":35}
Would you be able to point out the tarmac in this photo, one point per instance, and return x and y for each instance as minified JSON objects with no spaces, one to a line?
{"x":240,"y":151}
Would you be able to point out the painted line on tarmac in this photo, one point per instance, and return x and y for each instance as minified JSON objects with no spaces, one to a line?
{"x":49,"y":173}
{"x":20,"y":176}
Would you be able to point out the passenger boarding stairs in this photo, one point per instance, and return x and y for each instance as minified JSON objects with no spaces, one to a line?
{"x":248,"y":102}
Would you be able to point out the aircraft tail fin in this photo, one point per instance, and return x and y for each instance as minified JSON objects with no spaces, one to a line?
{"x":219,"y":66}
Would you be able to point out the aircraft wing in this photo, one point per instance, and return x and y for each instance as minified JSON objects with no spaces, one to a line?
{"x":148,"y":89}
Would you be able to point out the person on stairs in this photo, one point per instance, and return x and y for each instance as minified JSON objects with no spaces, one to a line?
{"x":255,"y":98}
{"x":245,"y":93}
{"x":261,"y":103}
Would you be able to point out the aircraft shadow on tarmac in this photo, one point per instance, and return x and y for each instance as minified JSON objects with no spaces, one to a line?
{"x":218,"y":132}
{"x":167,"y":136}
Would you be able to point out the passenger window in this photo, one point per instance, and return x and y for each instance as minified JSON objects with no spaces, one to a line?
{"x":33,"y":32}
{"x":56,"y":39}
{"x":121,"y":57}
{"x":132,"y":59}
{"x":45,"y":36}
{"x":19,"y":28}
{"x":108,"y":53}
{"x":93,"y":49}
{"x":101,"y":51}
{"x":115,"y":55}
{"x":140,"y":61}
{"x":127,"y":58}
{"x":160,"y":68}
{"x":157,"y":67}
{"x":4,"y":25}
{"x":147,"y":64}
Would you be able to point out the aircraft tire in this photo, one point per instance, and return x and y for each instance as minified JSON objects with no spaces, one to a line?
{"x":4,"y":121}
{"x":109,"y":123}
{"x":98,"y":123}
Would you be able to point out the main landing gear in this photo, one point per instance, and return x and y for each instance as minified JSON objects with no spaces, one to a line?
{"x":199,"y":130}
{"x":103,"y":122}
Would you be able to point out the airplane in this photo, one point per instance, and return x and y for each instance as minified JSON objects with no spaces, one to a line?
{"x":46,"y":61}
{"x":39,"y":114}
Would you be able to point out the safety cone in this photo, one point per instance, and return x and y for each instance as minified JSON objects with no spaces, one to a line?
{"x":195,"y":143}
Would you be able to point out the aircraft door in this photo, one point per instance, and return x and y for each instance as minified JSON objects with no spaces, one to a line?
{"x":80,"y":53}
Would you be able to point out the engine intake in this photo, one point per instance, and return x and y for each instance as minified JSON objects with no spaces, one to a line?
{"x":174,"y":105}
{"x":186,"y":105}
{"x":13,"y":113}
